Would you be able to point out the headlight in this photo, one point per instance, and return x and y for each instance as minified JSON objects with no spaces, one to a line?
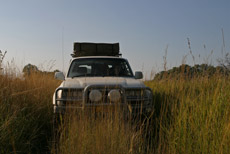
{"x":77,"y":94}
{"x":95,"y":95}
{"x":148,"y":94}
{"x":114,"y":95}
{"x":59,"y":94}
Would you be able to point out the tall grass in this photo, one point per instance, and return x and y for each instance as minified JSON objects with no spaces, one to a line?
{"x":103,"y":134}
{"x":189,"y":116}
{"x":26,"y":113}
{"x":192,"y":116}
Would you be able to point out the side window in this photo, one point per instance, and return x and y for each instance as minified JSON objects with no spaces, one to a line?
{"x":128,"y":71}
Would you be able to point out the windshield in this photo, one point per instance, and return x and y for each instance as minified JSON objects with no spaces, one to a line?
{"x":89,"y":67}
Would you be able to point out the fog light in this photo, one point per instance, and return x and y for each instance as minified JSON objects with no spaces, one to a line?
{"x":114,"y":96}
{"x":95,"y":95}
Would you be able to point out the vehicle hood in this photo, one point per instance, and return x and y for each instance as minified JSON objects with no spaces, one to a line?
{"x":82,"y":82}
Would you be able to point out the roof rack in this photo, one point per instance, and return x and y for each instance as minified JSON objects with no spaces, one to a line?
{"x":81,"y":49}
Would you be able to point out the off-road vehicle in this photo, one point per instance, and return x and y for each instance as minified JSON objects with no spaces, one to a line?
{"x":97,"y":77}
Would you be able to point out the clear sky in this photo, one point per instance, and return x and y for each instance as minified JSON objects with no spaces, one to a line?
{"x":37,"y":31}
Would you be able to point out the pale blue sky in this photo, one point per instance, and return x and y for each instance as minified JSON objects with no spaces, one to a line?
{"x":31,"y":30}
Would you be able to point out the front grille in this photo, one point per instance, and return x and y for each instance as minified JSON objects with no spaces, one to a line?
{"x":70,"y":96}
{"x":80,"y":97}
{"x":75,"y":94}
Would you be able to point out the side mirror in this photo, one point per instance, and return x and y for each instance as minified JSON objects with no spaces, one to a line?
{"x":59,"y":76}
{"x":138,"y":75}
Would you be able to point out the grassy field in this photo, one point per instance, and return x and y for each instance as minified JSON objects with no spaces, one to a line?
{"x":192,"y":116}
{"x":189,"y":116}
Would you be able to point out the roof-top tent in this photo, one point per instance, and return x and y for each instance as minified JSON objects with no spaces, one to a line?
{"x":81,"y":49}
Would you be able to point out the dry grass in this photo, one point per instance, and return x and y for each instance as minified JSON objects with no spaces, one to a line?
{"x":189,"y":117}
{"x":193,"y":116}
{"x":110,"y":134}
{"x":26,"y":113}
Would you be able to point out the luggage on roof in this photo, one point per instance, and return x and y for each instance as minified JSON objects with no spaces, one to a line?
{"x":95,"y":49}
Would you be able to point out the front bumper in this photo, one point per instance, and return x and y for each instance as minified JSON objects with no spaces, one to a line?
{"x":129,"y":104}
{"x":127,"y":108}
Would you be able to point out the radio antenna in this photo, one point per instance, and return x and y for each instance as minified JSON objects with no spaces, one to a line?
{"x":63,"y":66}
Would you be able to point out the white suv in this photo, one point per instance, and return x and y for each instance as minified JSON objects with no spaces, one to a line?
{"x":94,"y":81}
